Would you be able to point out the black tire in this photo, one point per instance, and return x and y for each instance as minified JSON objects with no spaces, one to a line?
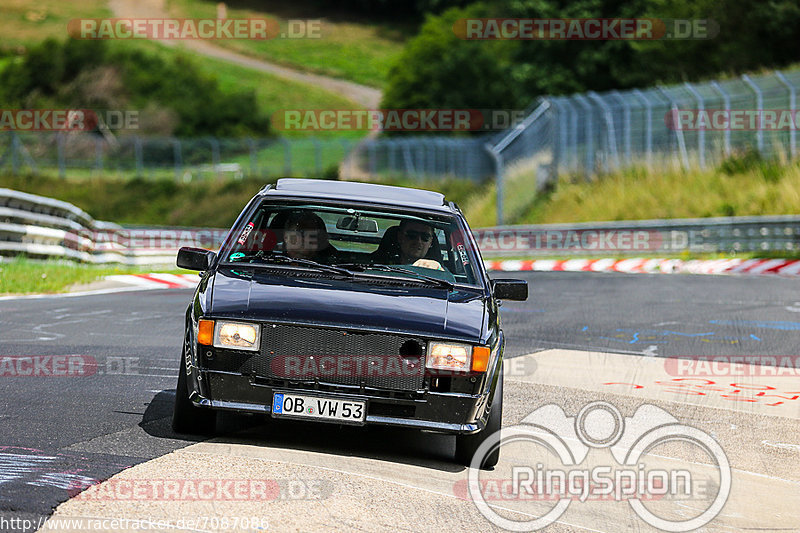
{"x":187,"y":417}
{"x":467,"y":445}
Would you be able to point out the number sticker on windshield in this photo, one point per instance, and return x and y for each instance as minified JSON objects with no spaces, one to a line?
{"x":246,"y":233}
{"x":463,"y":253}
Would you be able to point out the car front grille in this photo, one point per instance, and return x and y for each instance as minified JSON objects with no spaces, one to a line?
{"x":337,"y":356}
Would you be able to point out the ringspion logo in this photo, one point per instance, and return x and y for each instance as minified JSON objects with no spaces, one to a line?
{"x":553,"y":466}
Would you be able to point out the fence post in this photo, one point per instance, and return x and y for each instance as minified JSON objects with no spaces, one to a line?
{"x":177,"y":158}
{"x":678,"y":131}
{"x":559,"y":155}
{"x":626,"y":117}
{"x":287,"y":157}
{"x":137,"y":150}
{"x":451,"y":160}
{"x":760,"y":107}
{"x":793,"y":107}
{"x":573,"y":127}
{"x":317,"y":156}
{"x":648,"y":132}
{"x":408,"y":161}
{"x":372,"y":157}
{"x":252,"y":147}
{"x":589,"y":165}
{"x":392,"y":163}
{"x":499,"y":178}
{"x":610,"y":131}
{"x":726,"y":101}
{"x":98,"y":154}
{"x":62,"y":161}
{"x":701,"y":133}
{"x":14,"y":153}
{"x":215,"y":157}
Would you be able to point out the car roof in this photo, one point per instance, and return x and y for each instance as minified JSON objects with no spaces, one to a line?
{"x":358,"y":191}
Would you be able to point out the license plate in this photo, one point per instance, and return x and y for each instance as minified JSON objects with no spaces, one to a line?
{"x":314,"y":407}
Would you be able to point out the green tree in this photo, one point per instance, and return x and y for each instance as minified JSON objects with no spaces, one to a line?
{"x":68,"y":74}
{"x":439,"y":70}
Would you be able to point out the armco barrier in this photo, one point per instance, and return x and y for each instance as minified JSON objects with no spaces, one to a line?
{"x":729,"y":235}
{"x":41,"y":227}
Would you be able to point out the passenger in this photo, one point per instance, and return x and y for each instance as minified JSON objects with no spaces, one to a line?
{"x":305,"y":237}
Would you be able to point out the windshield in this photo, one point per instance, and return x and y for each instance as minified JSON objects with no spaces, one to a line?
{"x":367,"y":241}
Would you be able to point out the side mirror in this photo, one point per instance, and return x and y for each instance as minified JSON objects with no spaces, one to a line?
{"x":510,"y":289}
{"x":195,"y":258}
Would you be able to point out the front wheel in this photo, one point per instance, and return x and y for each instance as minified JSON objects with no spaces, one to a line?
{"x":467,"y":445}
{"x":187,"y":417}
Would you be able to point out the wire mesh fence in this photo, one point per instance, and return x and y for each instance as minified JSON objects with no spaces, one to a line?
{"x":679,"y":126}
{"x":583,"y":134}
{"x":78,"y":154}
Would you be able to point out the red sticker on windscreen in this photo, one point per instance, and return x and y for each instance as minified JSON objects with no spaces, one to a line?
{"x":245,"y":232}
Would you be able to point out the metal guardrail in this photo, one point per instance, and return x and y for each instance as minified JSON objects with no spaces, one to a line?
{"x":41,"y":227}
{"x":44,"y":228}
{"x":730,"y":235}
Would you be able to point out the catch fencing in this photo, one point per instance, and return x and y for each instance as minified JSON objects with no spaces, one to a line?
{"x":81,"y":154}
{"x":677,"y":126}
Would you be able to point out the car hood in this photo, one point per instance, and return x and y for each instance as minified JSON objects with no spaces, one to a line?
{"x":264,"y":295}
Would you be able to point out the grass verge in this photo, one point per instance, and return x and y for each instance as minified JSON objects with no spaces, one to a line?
{"x":357,"y":50}
{"x":25,"y":21}
{"x":272,"y":93}
{"x":741,"y":185}
{"x":23,"y":276}
{"x":207,"y":203}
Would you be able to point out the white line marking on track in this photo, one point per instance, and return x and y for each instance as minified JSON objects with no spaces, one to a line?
{"x":781,"y":445}
{"x":80,"y":293}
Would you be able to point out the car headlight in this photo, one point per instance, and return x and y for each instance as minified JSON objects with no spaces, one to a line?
{"x":449,"y":356}
{"x":236,"y":335}
{"x":457,"y":357}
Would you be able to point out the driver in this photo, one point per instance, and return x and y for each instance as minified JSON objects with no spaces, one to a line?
{"x":415,"y":239}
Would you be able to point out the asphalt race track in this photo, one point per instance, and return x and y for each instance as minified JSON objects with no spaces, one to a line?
{"x":61,"y":433}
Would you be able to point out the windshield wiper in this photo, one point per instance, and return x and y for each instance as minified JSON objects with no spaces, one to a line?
{"x":361,"y":267}
{"x":286,"y":260}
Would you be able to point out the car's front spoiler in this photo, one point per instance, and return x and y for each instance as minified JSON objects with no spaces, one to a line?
{"x":430,"y":411}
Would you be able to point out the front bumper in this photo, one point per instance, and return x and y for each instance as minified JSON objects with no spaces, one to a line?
{"x":431,"y":411}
